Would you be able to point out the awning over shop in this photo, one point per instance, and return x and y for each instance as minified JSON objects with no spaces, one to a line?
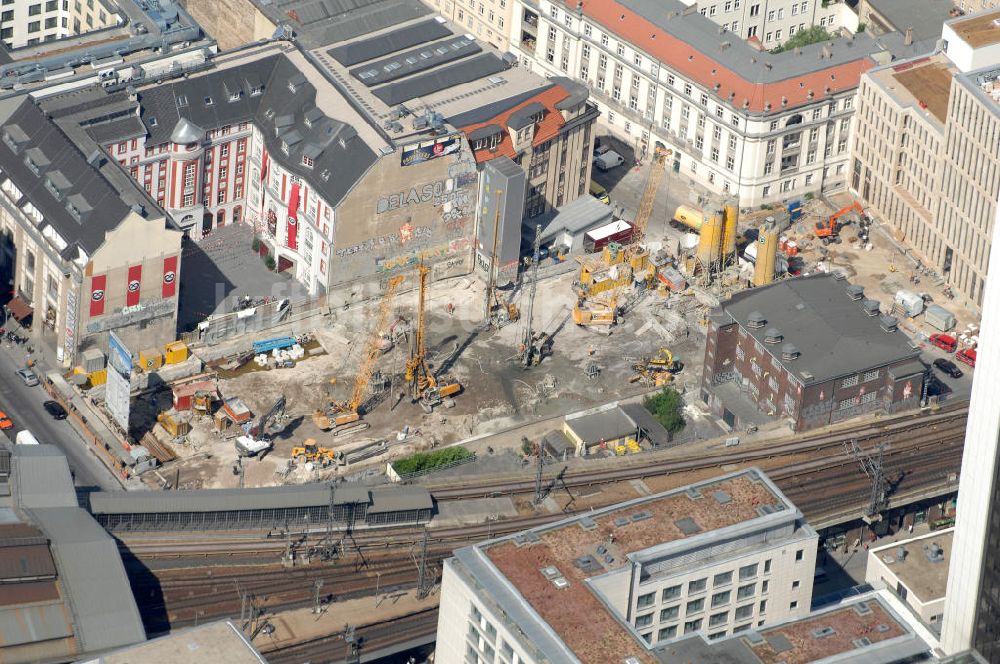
{"x":19,"y":310}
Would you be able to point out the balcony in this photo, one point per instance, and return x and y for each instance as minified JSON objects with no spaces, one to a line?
{"x":530,"y":22}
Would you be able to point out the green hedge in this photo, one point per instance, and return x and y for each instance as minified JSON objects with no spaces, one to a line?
{"x":424,"y":461}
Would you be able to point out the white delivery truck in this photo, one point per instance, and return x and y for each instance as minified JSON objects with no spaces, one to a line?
{"x":25,"y":437}
{"x":608,"y":160}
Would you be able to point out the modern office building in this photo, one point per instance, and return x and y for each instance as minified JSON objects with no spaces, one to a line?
{"x":925,"y":157}
{"x":718,"y":558}
{"x":972,"y":603}
{"x":916,"y":571}
{"x":740,"y":120}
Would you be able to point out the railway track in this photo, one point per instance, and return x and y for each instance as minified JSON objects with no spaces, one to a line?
{"x":198,"y":583}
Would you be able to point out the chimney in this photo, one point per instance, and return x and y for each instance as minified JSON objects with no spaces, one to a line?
{"x":908,"y":38}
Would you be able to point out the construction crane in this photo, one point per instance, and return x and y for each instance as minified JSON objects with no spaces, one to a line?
{"x":532,"y":355}
{"x":349,"y":412}
{"x":424,"y":386}
{"x":830,"y":227}
{"x":648,"y":202}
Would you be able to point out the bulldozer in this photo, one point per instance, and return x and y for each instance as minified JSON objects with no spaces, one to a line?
{"x":310,"y":451}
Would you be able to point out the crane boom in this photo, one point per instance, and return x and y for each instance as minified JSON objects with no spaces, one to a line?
{"x":417,"y":372}
{"x":372,"y":352}
{"x":648,"y":201}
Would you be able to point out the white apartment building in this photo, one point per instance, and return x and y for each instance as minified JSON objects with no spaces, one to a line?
{"x":488,"y":20}
{"x":926,"y":158}
{"x":715,"y":558}
{"x":27,"y":22}
{"x":765,"y":127}
{"x":916,"y":571}
{"x":772,"y":23}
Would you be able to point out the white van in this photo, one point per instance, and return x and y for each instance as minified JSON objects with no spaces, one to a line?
{"x":25,"y":437}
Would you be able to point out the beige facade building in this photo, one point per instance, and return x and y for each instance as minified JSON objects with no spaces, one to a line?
{"x":916,"y":571}
{"x":926,"y":154}
{"x":28,"y":22}
{"x":486,"y":19}
{"x":715,"y":559}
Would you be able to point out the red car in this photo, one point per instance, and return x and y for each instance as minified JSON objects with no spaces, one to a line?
{"x":967,"y":356}
{"x":944,"y":342}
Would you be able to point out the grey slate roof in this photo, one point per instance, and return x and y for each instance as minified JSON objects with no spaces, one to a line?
{"x":762,"y":67}
{"x":390,"y":42}
{"x":304,"y":495}
{"x":42,"y":477}
{"x":88,"y":565}
{"x":319,"y":23}
{"x":487,"y":112}
{"x":427,"y":56}
{"x":925,"y":16}
{"x":88,"y":184}
{"x":521,"y":118}
{"x":91,"y":571}
{"x":832,"y":332}
{"x":645,"y":420}
{"x":479,"y":66}
{"x":602,"y":426}
{"x":265,"y":97}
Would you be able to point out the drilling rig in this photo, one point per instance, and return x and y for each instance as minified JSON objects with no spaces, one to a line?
{"x":425,"y":388}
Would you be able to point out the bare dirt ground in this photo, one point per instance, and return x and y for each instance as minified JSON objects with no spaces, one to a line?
{"x":497,"y":395}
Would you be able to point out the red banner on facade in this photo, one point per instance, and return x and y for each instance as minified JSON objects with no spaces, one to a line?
{"x":97,"y":285}
{"x":169,"y":276}
{"x":293,"y":214}
{"x":134,"y":283}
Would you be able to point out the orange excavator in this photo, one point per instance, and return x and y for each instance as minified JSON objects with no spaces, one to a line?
{"x":830,"y":227}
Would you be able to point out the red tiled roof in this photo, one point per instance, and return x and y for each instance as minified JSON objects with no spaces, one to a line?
{"x":702,"y":69}
{"x":547,"y":129}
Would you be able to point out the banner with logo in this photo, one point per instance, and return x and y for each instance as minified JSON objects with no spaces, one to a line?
{"x":169,"y":276}
{"x":293,"y":216}
{"x":134,"y":284}
{"x":97,"y":286}
{"x":421,"y":152}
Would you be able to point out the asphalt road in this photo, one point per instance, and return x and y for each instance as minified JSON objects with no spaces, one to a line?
{"x":23,"y":405}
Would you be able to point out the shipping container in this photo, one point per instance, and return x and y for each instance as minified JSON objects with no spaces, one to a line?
{"x":617,"y":231}
{"x":911,"y":303}
{"x":940,"y":318}
{"x":673,"y":279}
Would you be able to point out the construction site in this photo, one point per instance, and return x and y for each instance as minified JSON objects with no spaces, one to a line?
{"x":431,"y":364}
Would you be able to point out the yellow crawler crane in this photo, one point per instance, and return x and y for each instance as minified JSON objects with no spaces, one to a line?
{"x":424,"y":385}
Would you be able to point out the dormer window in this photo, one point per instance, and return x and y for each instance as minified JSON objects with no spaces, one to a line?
{"x":182,"y":101}
{"x":307,"y":162}
{"x":256,"y":90}
{"x":488,"y":143}
{"x":152,"y":122}
{"x":236,"y":95}
{"x":32,"y":213}
{"x":209,"y":101}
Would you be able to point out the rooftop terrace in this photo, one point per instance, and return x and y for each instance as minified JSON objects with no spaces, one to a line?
{"x":549,"y":565}
{"x":979,"y":30}
{"x":922,"y":84}
{"x":926,"y":578}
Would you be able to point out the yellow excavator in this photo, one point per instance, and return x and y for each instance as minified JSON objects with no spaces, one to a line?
{"x":658,"y":369}
{"x":425,"y":388}
{"x":344,"y":417}
{"x":310,"y":451}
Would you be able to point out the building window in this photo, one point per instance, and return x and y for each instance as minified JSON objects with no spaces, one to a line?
{"x":763,"y":606}
{"x":746,"y":591}
{"x":798,"y":555}
{"x":692,"y":626}
{"x":697,"y":586}
{"x":744,"y":612}
{"x":644,"y":620}
{"x":849,"y":382}
{"x":670,"y":613}
{"x":720,"y":599}
{"x":717,"y":619}
{"x":722,"y":579}
{"x":793,"y":605}
{"x":673,"y":592}
{"x":695,"y":606}
{"x":748,"y":572}
{"x":646,"y":600}
{"x":667,"y":633}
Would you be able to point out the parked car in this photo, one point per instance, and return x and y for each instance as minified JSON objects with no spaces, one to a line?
{"x":599,"y":192}
{"x":967,"y":356}
{"x":948,"y":367}
{"x":5,"y":422}
{"x":944,"y":342}
{"x":600,"y":149}
{"x":28,"y":376}
{"x":608,"y":160}
{"x":55,"y":409}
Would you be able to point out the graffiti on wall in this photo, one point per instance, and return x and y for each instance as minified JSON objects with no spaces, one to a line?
{"x":435,"y":253}
{"x":407,"y":233}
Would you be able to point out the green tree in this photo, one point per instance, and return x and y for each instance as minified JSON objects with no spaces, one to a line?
{"x":667,"y":407}
{"x":817,"y":33}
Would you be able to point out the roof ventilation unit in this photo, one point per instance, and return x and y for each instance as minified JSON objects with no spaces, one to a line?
{"x":855,"y":291}
{"x":889,"y":324}
{"x":934,"y":552}
{"x":772,"y":336}
{"x":756,"y":320}
{"x":871,"y":307}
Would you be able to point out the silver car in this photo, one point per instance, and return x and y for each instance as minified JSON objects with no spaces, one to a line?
{"x":28,"y":376}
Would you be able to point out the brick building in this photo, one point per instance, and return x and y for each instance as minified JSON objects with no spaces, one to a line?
{"x":812,"y":350}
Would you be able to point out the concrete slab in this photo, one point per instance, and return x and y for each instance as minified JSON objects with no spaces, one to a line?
{"x":457,"y":513}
